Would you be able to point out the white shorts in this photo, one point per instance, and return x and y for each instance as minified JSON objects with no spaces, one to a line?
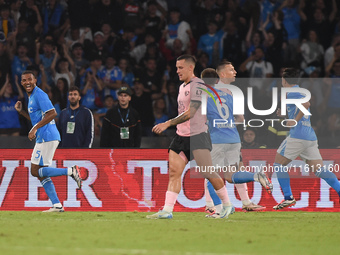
{"x":226,"y":154}
{"x":291,"y":148}
{"x":43,"y":153}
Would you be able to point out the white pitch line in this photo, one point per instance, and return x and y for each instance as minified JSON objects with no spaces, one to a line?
{"x":112,"y":251}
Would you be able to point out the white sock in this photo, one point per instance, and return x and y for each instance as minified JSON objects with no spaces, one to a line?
{"x":218,"y":208}
{"x":69,"y":171}
{"x":246,"y":202}
{"x":57,"y":205}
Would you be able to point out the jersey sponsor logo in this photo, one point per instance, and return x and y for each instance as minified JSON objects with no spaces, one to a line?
{"x":186,"y":93}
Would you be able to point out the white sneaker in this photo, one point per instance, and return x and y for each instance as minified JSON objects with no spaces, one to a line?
{"x":160,"y":215}
{"x":265,"y":182}
{"x":76,"y":175}
{"x":213,"y":216}
{"x":55,"y":209}
{"x":226,"y":211}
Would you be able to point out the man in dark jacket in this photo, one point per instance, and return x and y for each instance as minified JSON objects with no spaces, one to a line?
{"x":76,"y":125}
{"x":121,"y":125}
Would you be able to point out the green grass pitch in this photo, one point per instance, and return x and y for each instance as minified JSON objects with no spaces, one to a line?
{"x":187,"y":233}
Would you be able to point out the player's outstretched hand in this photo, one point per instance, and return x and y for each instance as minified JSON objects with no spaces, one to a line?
{"x":18,"y":106}
{"x":159,"y":128}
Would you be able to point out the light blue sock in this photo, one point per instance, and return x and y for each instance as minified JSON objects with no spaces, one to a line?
{"x":214,"y":196}
{"x":50,"y":190}
{"x":329,"y":177}
{"x":283,"y":178}
{"x":52,"y":172}
{"x":242,"y":177}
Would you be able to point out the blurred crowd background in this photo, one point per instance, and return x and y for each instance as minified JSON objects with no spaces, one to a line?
{"x":102,"y":45}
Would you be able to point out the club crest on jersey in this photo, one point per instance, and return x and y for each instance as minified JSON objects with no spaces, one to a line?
{"x":186,"y":93}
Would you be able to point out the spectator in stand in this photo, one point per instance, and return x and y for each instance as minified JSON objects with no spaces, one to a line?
{"x":233,"y":43}
{"x":76,"y":124}
{"x":311,"y":51}
{"x":152,"y":22}
{"x":94,"y":68}
{"x":62,"y":88}
{"x":20,"y":61}
{"x":203,"y":11}
{"x":46,"y":58}
{"x":122,"y":46}
{"x":100,"y":113}
{"x":334,"y":49}
{"x":202,"y":63}
{"x":27,"y":35}
{"x":253,"y":39}
{"x":5,"y":63}
{"x":78,"y":59}
{"x":15,"y":10}
{"x":257,"y":67}
{"x":171,"y":99}
{"x":275,"y":41}
{"x":127,"y":75}
{"x":30,"y":11}
{"x":321,"y":23}
{"x":55,"y":18}
{"x":7,"y":24}
{"x":139,"y":51}
{"x":63,"y":67}
{"x":153,"y":52}
{"x":112,"y":77}
{"x":267,"y":9}
{"x":315,"y":85}
{"x":249,"y":140}
{"x":107,"y":11}
{"x":211,"y":43}
{"x":9,"y":120}
{"x":291,"y":22}
{"x":133,"y":13}
{"x":161,"y":7}
{"x":159,"y":111}
{"x":151,"y":79}
{"x":109,"y":36}
{"x":171,"y":54}
{"x":91,"y":92}
{"x":78,"y":35}
{"x":332,"y":92}
{"x":97,"y":47}
{"x":177,"y":29}
{"x":141,"y":100}
{"x":122,"y":124}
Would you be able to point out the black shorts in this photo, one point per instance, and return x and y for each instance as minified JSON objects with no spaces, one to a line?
{"x":189,"y":143}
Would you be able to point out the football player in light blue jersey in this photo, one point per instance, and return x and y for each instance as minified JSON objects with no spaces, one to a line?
{"x":302,"y":141}
{"x":42,"y":113}
{"x":226,"y":140}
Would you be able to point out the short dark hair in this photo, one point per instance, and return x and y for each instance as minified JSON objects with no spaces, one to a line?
{"x":74,"y":88}
{"x":29,"y":72}
{"x":222,"y":64}
{"x":188,"y":58}
{"x":291,"y":75}
{"x":209,"y":76}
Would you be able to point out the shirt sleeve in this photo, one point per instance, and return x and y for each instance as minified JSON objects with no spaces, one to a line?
{"x":196,"y":91}
{"x":45,"y":103}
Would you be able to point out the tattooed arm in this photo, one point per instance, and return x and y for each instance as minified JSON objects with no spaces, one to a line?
{"x":183,"y":117}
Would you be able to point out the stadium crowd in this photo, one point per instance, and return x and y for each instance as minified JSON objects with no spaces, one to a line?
{"x":101,"y":45}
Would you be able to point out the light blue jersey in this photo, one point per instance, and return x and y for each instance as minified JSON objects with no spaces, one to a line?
{"x":303,"y":130}
{"x":221,"y":132}
{"x":38,"y":105}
